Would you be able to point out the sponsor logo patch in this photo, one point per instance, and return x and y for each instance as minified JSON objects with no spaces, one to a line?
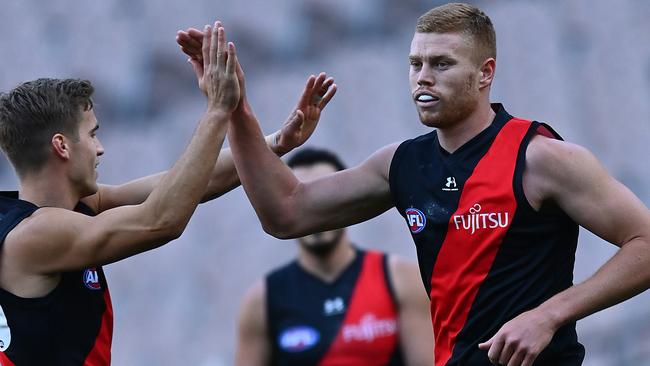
{"x":91,"y":279}
{"x":369,"y":328}
{"x":299,"y":338}
{"x":415,"y":220}
{"x":476,"y":220}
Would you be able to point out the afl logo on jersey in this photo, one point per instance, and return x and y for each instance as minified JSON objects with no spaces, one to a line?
{"x":415,"y":219}
{"x":91,"y":279}
{"x":298,"y":338}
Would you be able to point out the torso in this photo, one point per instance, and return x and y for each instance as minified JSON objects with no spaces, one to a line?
{"x":485,"y":254}
{"x":352,"y":321}
{"x":71,"y":324}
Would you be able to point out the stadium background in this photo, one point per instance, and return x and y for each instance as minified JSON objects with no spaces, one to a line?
{"x":581,"y":65}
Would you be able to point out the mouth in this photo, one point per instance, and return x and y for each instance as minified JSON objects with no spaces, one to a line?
{"x":425,"y":98}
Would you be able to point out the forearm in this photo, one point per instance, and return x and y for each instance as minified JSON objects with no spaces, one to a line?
{"x":224,"y":175}
{"x":625,"y":275}
{"x":176,"y":195}
{"x":268,"y":182}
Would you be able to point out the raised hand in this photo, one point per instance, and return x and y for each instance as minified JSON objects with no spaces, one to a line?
{"x":220,"y":70}
{"x":302,"y":122}
{"x":191,"y":43}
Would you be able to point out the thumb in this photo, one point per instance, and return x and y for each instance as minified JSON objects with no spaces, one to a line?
{"x":196,"y":66}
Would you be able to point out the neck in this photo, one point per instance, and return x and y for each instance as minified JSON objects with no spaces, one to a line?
{"x":330,"y":266}
{"x":46,"y":189}
{"x":453,"y":137}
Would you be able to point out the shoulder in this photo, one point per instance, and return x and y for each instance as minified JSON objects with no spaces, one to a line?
{"x":255,"y":295}
{"x":253,"y":307}
{"x":46,"y":222}
{"x":553,"y":165}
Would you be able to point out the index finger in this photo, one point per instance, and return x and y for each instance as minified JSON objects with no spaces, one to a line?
{"x":306,"y":96}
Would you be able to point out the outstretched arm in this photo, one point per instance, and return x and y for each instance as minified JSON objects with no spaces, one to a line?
{"x":290,"y":208}
{"x":573,"y":178}
{"x":55,"y":240}
{"x":294,"y":132}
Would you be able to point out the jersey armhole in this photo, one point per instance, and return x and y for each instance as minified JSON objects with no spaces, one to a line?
{"x":392,"y":171}
{"x":389,"y":283}
{"x":536,"y":128}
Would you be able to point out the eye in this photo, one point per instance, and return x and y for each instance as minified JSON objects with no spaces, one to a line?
{"x":415,"y":64}
{"x":442,"y":64}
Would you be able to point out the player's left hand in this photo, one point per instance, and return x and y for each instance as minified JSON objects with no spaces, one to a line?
{"x":301,"y":123}
{"x":191,"y":43}
{"x":521,"y":340}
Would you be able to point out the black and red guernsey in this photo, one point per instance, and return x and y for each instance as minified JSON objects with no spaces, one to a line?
{"x":351,"y":321}
{"x":485,"y":254}
{"x":70,"y":326}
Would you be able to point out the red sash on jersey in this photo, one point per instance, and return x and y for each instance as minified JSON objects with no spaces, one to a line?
{"x":100,"y":354}
{"x":368,"y":334}
{"x":475,"y":231}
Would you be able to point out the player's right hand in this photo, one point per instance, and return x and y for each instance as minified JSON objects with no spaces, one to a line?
{"x":220,"y":64}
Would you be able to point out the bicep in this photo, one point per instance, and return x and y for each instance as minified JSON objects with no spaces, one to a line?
{"x":576,"y":181}
{"x":58,"y":240}
{"x":253,"y":347}
{"x":346,"y":197}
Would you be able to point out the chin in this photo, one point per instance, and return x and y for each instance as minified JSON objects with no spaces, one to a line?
{"x":430,"y":120}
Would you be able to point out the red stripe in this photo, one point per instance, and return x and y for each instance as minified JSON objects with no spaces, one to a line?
{"x":371,"y":298}
{"x":465,"y":257}
{"x":100,"y":354}
{"x":5,"y":361}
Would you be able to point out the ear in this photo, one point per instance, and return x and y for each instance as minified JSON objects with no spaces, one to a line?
{"x":487,"y":72}
{"x":60,"y":146}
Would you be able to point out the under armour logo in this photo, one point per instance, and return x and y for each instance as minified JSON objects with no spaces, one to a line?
{"x":333,"y":306}
{"x":451,"y":184}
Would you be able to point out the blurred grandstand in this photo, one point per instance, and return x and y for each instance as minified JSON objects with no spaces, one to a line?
{"x":582,"y":65}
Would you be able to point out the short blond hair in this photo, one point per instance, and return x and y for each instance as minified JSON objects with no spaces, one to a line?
{"x":462,"y":18}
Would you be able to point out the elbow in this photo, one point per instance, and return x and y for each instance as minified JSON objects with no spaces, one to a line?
{"x":280,"y":226}
{"x":170,"y":228}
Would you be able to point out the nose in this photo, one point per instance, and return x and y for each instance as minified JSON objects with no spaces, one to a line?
{"x":426,"y":77}
{"x":100,"y":148}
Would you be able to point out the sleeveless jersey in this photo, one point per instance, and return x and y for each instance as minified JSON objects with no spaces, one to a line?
{"x":352,"y":321}
{"x":71,"y":325}
{"x":485,"y":254}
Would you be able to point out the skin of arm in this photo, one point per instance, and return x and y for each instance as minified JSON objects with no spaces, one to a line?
{"x":253,"y":345}
{"x":54,"y":240}
{"x":288,"y":208}
{"x":414,"y":321}
{"x":572,"y":177}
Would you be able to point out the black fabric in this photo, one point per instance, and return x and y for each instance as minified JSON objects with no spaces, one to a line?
{"x":59,"y":328}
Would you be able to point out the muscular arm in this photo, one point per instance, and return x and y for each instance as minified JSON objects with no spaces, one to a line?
{"x":290,"y":208}
{"x":571,"y":177}
{"x":253,"y":347}
{"x":414,"y":321}
{"x":55,"y":240}
{"x":579,"y":184}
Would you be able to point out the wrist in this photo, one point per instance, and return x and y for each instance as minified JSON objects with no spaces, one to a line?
{"x":217,"y":114}
{"x":272,"y":143}
{"x":552,"y":316}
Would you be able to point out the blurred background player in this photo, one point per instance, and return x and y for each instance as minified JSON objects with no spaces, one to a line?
{"x":336,"y":304}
